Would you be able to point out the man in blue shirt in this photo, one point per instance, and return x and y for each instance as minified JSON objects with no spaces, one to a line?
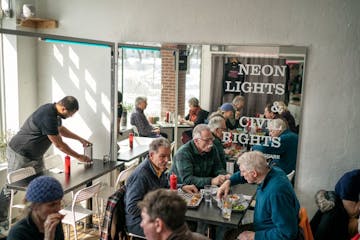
{"x":288,"y":145}
{"x":276,"y":214}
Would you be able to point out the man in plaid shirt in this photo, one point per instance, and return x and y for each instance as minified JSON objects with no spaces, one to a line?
{"x":197,"y":162}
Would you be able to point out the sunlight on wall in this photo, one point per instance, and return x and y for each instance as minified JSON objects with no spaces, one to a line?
{"x":11,"y":83}
{"x":105,"y":102}
{"x":56,"y":91}
{"x":91,"y":82}
{"x":74,"y":78}
{"x":74,"y":57}
{"x":105,"y":122}
{"x":57,"y":54}
{"x":90,"y":101}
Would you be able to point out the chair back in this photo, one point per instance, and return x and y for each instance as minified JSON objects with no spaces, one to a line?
{"x":52,"y":161}
{"x":305,"y":225}
{"x":114,"y":224}
{"x":136,"y":131}
{"x":20,"y":174}
{"x":291,"y":175}
{"x":124,"y":175}
{"x":86,"y":193}
{"x":14,"y":176}
{"x":172,"y":148}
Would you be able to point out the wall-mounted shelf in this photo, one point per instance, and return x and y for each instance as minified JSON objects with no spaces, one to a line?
{"x":39,"y":23}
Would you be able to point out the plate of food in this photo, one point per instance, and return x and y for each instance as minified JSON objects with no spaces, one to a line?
{"x":192,"y":200}
{"x":239,"y":202}
{"x":240,"y":206}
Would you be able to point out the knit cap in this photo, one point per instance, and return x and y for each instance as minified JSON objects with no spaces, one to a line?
{"x":227,"y":107}
{"x":44,"y":189}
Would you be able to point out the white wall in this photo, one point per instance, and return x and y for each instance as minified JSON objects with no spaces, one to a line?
{"x":83,"y":72}
{"x":329,"y":28}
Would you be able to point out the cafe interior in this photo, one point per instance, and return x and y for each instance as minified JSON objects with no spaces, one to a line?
{"x":172,"y":51}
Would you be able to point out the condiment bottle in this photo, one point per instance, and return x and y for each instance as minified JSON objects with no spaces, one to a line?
{"x":167,"y":117}
{"x":173,"y":182}
{"x":131,"y":140}
{"x":67,"y":164}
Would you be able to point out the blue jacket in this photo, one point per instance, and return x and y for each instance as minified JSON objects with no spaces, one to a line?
{"x":276,"y":214}
{"x":287,"y":151}
{"x":140,"y":182}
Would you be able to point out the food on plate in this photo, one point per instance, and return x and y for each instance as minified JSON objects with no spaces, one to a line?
{"x":194,"y":200}
{"x":239,"y":207}
{"x":234,"y":197}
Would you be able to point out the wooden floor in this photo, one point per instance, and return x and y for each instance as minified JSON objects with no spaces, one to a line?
{"x":88,"y":234}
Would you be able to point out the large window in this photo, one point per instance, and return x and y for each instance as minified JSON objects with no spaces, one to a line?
{"x":140,"y":71}
{"x":192,"y":87}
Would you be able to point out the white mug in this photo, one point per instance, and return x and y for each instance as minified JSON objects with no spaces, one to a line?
{"x":28,"y":10}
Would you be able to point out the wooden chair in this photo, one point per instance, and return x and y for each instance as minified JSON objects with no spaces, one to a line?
{"x":305,"y":225}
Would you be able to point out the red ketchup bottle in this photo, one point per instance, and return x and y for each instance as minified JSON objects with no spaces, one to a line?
{"x":131,"y":140}
{"x":173,"y":182}
{"x":67,"y":165}
{"x":167,"y":117}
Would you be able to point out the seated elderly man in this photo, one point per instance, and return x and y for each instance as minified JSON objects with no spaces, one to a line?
{"x":276,"y":214}
{"x":217,"y":126}
{"x":163,"y":217}
{"x":148,"y":176}
{"x":287,"y":149}
{"x":197,"y":162}
{"x":227,"y":110}
{"x":138,"y":119}
{"x":239,"y":103}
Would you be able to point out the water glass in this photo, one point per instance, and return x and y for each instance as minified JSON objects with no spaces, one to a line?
{"x":226,"y":208}
{"x":207,"y":193}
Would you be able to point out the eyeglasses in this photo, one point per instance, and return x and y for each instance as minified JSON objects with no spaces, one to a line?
{"x":207,"y":140}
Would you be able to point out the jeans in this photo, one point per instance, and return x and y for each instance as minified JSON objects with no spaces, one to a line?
{"x":17,"y":161}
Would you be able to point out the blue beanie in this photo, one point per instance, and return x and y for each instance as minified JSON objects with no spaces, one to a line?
{"x":227,"y":107}
{"x":44,"y":189}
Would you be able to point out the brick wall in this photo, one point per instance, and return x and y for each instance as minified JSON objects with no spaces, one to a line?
{"x":168,"y":103}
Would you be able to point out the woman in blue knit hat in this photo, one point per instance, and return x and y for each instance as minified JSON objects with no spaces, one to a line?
{"x":43,"y":198}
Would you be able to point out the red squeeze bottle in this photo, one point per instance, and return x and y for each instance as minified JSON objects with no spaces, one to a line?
{"x":173,"y":182}
{"x":67,"y":165}
{"x":131,"y":140}
{"x":167,"y":117}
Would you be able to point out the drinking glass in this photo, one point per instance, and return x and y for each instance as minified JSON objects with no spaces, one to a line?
{"x":226,"y":208}
{"x":207,"y":193}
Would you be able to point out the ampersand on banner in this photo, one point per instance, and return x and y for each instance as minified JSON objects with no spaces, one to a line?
{"x":277,"y":108}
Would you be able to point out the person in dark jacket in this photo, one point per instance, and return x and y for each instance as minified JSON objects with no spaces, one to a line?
{"x":196,"y":116}
{"x":149,"y":175}
{"x":163,"y":217}
{"x":217,"y":126}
